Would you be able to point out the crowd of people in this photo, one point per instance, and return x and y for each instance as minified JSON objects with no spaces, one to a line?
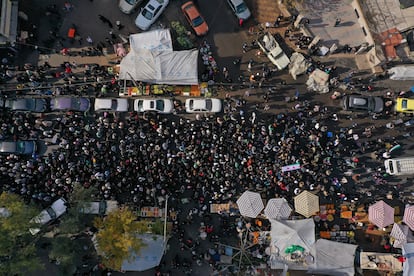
{"x":143,"y":158}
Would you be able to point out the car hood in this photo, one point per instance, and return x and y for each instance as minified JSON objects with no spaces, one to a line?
{"x":244,"y":15}
{"x":125,"y":7}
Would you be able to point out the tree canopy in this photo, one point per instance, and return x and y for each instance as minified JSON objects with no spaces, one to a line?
{"x":17,"y":245}
{"x":117,"y":237}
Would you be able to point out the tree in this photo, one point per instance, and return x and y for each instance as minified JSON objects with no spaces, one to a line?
{"x":65,"y":244}
{"x":17,"y":245}
{"x":117,"y":237}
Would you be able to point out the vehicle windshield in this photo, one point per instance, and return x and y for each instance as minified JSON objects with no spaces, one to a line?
{"x":114,"y":104}
{"x":241,"y":8}
{"x":20,"y":147}
{"x":131,"y":2}
{"x":209,"y":104}
{"x":140,"y":105}
{"x":159,"y":105}
{"x":75,"y":104}
{"x":359,"y":102}
{"x":197,"y":21}
{"x":30,"y":104}
{"x":404,"y":104}
{"x":147,"y":14}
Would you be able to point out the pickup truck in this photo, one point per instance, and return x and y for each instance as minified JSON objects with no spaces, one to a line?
{"x":273,"y":51}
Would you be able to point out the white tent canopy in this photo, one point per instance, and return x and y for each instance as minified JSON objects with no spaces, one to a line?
{"x":153,"y":60}
{"x":408,"y":253}
{"x":333,"y":258}
{"x":286,"y":233}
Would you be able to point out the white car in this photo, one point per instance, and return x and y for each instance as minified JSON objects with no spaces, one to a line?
{"x":164,"y":106}
{"x":203,"y":105}
{"x":111,"y":105}
{"x":128,"y":6}
{"x":239,"y":8}
{"x":150,"y":13}
{"x":57,"y":209}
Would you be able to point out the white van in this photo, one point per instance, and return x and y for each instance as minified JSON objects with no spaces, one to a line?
{"x":399,"y":166}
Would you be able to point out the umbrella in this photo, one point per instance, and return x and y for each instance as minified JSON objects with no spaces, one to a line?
{"x":409,"y":216}
{"x":381,"y":214}
{"x":306,"y":204}
{"x":250,"y":204}
{"x":277,"y":208}
{"x":400,"y":234}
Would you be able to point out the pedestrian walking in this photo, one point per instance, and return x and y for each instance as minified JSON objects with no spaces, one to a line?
{"x":249,"y":66}
{"x":89,"y":40}
{"x":337,"y":22}
{"x":245,"y":47}
{"x":119,"y":25}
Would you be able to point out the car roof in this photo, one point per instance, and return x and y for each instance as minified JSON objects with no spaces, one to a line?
{"x":190,"y":9}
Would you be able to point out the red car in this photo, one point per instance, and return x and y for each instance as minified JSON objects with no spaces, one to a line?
{"x":195,"y":19}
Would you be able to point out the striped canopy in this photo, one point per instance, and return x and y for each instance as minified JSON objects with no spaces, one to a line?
{"x":277,"y":208}
{"x":306,"y":204}
{"x":409,"y":216}
{"x":400,"y":234}
{"x":381,"y":214}
{"x":250,"y":204}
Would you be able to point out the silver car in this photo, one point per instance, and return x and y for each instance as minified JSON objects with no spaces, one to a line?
{"x":363,"y":103}
{"x":25,"y":104}
{"x":240,"y":9}
{"x":128,"y":6}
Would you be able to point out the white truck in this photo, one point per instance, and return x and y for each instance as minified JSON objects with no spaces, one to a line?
{"x":399,"y":166}
{"x":99,"y":207}
{"x":57,"y":209}
{"x":273,"y":51}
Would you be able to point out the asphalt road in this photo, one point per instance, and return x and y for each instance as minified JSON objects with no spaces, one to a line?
{"x":226,"y":37}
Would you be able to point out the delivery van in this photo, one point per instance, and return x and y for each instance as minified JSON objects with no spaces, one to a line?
{"x":399,"y":166}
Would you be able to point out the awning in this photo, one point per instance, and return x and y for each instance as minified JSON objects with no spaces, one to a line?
{"x":250,"y":204}
{"x":277,"y":208}
{"x":409,"y":216}
{"x":381,"y":214}
{"x":306,"y":204}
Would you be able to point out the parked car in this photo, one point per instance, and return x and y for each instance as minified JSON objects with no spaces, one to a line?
{"x":99,"y":207}
{"x":164,"y":106}
{"x":195,"y":105}
{"x":111,"y":105}
{"x":404,"y":105}
{"x":363,"y":103}
{"x":240,"y":9}
{"x":128,"y":6}
{"x":57,"y":209}
{"x":27,"y":147}
{"x":25,"y":104}
{"x":70,"y":104}
{"x":194,"y":18}
{"x":150,"y":13}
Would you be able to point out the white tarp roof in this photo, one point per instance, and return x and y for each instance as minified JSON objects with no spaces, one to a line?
{"x":157,"y":40}
{"x":298,"y":65}
{"x":318,"y":81}
{"x":153,"y":60}
{"x":333,"y":258}
{"x":287,"y":233}
{"x":402,"y":73}
{"x":408,"y":253}
{"x":149,"y":256}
